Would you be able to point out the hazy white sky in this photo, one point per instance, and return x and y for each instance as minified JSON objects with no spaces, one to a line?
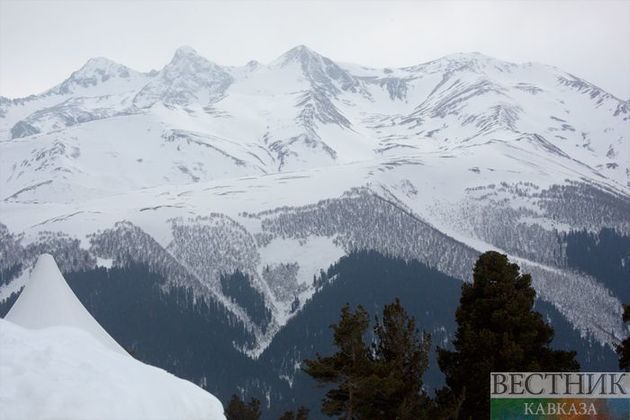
{"x":42,"y":42}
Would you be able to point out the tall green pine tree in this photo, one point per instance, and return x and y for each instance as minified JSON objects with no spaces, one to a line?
{"x":497,"y":331}
{"x":237,"y":409}
{"x":300,"y":414}
{"x":347,"y":368}
{"x":394,"y":390}
{"x":382,"y":382}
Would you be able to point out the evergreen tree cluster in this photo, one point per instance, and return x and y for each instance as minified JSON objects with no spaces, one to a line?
{"x":497,"y":331}
{"x":374,"y":281}
{"x":378,"y":380}
{"x":173,"y":328}
{"x":188,"y":336}
{"x":361,"y":220}
{"x":604,"y":255}
{"x":237,"y":409}
{"x":238,"y":287}
{"x":300,"y":414}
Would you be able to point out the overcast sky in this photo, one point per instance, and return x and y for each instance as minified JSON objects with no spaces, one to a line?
{"x":42,"y":42}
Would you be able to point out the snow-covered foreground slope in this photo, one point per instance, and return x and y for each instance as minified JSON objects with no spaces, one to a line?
{"x":200,"y":170}
{"x":48,"y":301}
{"x":56,"y":362}
{"x":64,"y":373}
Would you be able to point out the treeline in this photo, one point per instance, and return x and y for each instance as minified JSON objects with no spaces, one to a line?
{"x":604,"y":255}
{"x":238,"y":287}
{"x":380,"y":375}
{"x":187,"y":335}
{"x":199,"y":339}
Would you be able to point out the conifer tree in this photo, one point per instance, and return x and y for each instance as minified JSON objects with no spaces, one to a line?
{"x":382,"y":382}
{"x":623,"y":350}
{"x":301,"y":414}
{"x":347,"y":368}
{"x":394,"y":389}
{"x":497,"y":331}
{"x":239,"y":410}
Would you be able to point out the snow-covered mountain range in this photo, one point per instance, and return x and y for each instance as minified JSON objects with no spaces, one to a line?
{"x":199,"y":170}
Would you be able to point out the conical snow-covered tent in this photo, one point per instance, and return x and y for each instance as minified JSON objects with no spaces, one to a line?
{"x":48,"y":301}
{"x":57,"y":362}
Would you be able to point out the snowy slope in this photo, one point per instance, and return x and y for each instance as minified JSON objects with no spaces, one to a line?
{"x":56,"y":361}
{"x":48,"y":301}
{"x":275,"y":170}
{"x":63,"y":372}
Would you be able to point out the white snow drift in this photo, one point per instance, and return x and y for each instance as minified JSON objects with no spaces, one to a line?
{"x":57,"y":362}
{"x":48,"y":301}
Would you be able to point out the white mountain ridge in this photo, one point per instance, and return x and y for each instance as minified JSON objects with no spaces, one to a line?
{"x":269,"y":166}
{"x":73,"y":369}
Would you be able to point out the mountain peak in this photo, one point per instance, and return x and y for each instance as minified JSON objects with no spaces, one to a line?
{"x":96,"y":70}
{"x":102,"y":66}
{"x":100,"y":62}
{"x":187,"y":78}
{"x":302,"y":49}
{"x":185,"y":51}
{"x":188,"y":59}
{"x":467,"y":57}
{"x":301,"y":54}
{"x":473,"y":61}
{"x":323,"y":73}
